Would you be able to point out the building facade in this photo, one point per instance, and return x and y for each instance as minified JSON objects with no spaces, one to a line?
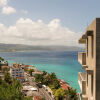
{"x":89,"y":81}
{"x":17,"y":72}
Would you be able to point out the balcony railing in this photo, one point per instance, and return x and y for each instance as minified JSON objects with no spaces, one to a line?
{"x":82,"y":82}
{"x":82,"y":58}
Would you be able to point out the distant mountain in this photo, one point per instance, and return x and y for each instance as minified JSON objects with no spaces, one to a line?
{"x":21,"y":47}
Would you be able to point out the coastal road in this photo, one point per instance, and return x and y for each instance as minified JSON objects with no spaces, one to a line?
{"x":41,"y":91}
{"x":45,"y":94}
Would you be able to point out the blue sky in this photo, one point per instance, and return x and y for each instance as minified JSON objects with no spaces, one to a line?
{"x":73,"y":14}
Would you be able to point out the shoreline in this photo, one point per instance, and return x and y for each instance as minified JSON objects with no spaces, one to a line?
{"x":65,"y":85}
{"x":48,"y":68}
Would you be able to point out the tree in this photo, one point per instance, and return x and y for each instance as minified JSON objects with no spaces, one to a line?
{"x":30,"y":71}
{"x":0,"y":80}
{"x":1,"y":59}
{"x":71,"y":94}
{"x":7,"y":78}
{"x":10,"y":89}
{"x":38,"y":78}
{"x":59,"y":94}
{"x":53,"y":76}
{"x":56,"y":84}
{"x":17,"y":84}
{"x":44,"y":73}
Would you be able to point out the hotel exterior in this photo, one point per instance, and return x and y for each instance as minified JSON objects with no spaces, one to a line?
{"x":17,"y":72}
{"x":89,"y":80}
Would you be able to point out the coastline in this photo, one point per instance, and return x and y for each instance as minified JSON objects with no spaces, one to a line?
{"x":63,"y":64}
{"x":41,"y":70}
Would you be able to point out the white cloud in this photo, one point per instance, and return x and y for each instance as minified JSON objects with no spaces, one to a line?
{"x":26,"y":31}
{"x":3,"y":2}
{"x":5,"y":8}
{"x":8,"y":10}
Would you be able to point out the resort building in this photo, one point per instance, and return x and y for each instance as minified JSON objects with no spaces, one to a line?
{"x":89,"y":81}
{"x":17,"y":72}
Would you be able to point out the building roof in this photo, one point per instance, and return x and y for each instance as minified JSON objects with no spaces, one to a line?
{"x":5,"y":67}
{"x":65,"y":86}
{"x":15,"y":65}
{"x":39,"y":72}
{"x":20,"y":77}
{"x":29,"y":88}
{"x":62,"y":81}
{"x":37,"y":98}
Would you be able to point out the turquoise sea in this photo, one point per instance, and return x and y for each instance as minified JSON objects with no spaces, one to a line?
{"x":63,"y":63}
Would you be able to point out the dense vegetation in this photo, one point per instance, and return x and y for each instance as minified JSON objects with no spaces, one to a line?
{"x":30,"y":71}
{"x":10,"y":89}
{"x":1,"y":59}
{"x":52,"y":81}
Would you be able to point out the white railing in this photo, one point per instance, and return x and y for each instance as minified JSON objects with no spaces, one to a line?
{"x":82,"y":82}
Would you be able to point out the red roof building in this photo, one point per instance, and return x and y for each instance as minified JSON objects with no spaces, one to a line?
{"x":37,"y":98}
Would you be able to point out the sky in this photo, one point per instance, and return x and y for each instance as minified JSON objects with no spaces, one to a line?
{"x":46,"y":22}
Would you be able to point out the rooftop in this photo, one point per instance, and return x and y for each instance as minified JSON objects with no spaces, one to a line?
{"x":37,"y":98}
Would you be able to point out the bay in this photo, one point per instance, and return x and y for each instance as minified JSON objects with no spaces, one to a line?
{"x":63,"y":63}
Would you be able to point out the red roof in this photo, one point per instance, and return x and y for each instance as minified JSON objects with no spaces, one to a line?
{"x":20,"y":77}
{"x":5,"y":67}
{"x":62,"y":82}
{"x":37,"y":98}
{"x":65,"y":87}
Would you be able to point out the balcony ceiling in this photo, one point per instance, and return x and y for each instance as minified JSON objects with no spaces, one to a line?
{"x":82,"y":40}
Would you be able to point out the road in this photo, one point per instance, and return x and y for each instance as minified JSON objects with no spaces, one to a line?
{"x":41,"y":91}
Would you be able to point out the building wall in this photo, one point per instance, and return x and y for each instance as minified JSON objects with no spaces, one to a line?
{"x":17,"y":72}
{"x":91,"y":61}
{"x":98,"y":59}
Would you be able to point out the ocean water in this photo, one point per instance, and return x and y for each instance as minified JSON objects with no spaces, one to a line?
{"x":63,"y":63}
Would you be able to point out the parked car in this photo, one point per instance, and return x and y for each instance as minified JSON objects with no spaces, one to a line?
{"x":44,"y":87}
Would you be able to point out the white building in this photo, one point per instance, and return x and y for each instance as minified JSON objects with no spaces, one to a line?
{"x":17,"y":72}
{"x":29,"y":90}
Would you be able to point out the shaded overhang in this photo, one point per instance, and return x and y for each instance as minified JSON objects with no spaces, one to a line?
{"x":90,"y":70}
{"x":82,"y":40}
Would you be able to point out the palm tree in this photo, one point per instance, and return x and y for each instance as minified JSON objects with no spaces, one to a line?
{"x":1,"y":59}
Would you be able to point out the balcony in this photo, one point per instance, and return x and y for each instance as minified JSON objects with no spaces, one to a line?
{"x":82,"y":41}
{"x":82,"y":59}
{"x":82,"y":82}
